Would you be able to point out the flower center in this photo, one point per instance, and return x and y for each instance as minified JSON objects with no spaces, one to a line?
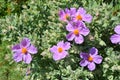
{"x":66,"y":16}
{"x":60,"y":49}
{"x":79,"y":17}
{"x":24,"y":50}
{"x":76,"y":31}
{"x":90,"y":58}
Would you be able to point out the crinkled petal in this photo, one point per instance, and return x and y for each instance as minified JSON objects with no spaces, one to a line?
{"x":117,"y":29}
{"x":87,"y":18}
{"x":79,"y":25}
{"x":82,"y":10}
{"x":79,"y":39}
{"x":25,"y":42}
{"x":97,"y":59}
{"x":84,"y":31}
{"x":16,"y":47}
{"x":72,"y":11}
{"x":63,"y":54}
{"x":66,"y":45}
{"x":91,"y":66}
{"x":17,"y":56}
{"x":27,"y":58}
{"x":84,"y":55}
{"x":61,"y":13}
{"x":32,"y":49}
{"x":69,"y":27}
{"x":115,"y":38}
{"x":59,"y":56}
{"x":83,"y":63}
{"x":67,"y":10}
{"x":53,"y":49}
{"x":60,"y":44}
{"x":70,"y":36}
{"x":93,"y":51}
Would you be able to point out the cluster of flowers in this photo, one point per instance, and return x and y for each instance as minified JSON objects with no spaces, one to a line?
{"x":75,"y":20}
{"x":76,"y":27}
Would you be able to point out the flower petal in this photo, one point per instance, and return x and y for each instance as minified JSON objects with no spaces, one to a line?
{"x":60,"y":44}
{"x":117,"y":29}
{"x":84,"y":55}
{"x":70,"y":36}
{"x":17,"y":56}
{"x":69,"y":27}
{"x":115,"y":38}
{"x":32,"y":49}
{"x":25,"y":42}
{"x":63,"y":54}
{"x":67,"y":10}
{"x":16,"y":47}
{"x":72,"y":11}
{"x":61,"y":13}
{"x":83,"y":63}
{"x":27,"y":58}
{"x":97,"y":59}
{"x":93,"y":51}
{"x":59,"y":56}
{"x":66,"y":45}
{"x":84,"y":31}
{"x":87,"y":18}
{"x":80,"y":24}
{"x":79,"y":39}
{"x":53,"y":49}
{"x":81,"y":10}
{"x":91,"y":66}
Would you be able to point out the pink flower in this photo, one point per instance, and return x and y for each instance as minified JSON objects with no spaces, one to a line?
{"x":81,"y":15}
{"x":60,"y":50}
{"x":115,"y":38}
{"x":66,"y":15}
{"x":90,"y":59}
{"x":76,"y":31}
{"x":23,"y":50}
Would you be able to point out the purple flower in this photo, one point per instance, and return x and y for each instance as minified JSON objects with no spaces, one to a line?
{"x":90,"y":59}
{"x":115,"y":38}
{"x":22,"y":51}
{"x":76,"y":31}
{"x":60,"y":50}
{"x":81,"y":15}
{"x":66,"y":15}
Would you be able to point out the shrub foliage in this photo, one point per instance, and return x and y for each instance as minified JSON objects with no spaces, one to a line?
{"x":39,"y":21}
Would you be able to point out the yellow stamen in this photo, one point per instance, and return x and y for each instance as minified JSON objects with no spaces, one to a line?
{"x":66,"y":16}
{"x":76,"y":31}
{"x":60,"y":49}
{"x":79,"y":17}
{"x":90,"y":58}
{"x":24,"y":50}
